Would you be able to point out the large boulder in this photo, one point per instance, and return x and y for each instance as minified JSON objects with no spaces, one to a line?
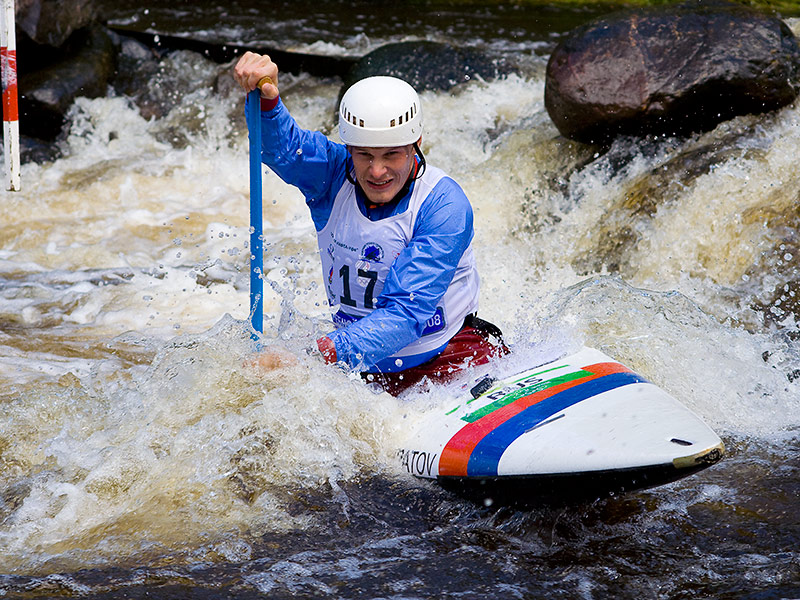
{"x":52,"y":22}
{"x":425,"y":65}
{"x":672,"y":70}
{"x":83,"y":70}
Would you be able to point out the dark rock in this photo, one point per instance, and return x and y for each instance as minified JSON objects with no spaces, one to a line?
{"x":137,"y":67}
{"x":669,"y":70}
{"x":425,"y":65}
{"x":46,"y":94}
{"x":33,"y":150}
{"x":225,"y":52}
{"x":52,"y":22}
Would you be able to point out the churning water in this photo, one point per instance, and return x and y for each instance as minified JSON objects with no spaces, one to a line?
{"x":141,"y":453}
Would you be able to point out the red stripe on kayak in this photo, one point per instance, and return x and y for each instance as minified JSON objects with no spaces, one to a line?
{"x":455,"y":455}
{"x":8,"y":59}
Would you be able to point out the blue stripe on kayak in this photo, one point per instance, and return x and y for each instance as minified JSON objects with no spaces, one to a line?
{"x":485,"y":457}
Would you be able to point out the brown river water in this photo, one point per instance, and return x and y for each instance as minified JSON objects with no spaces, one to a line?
{"x":141,"y":456}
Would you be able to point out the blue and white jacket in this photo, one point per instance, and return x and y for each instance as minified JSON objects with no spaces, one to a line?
{"x":403,"y":275}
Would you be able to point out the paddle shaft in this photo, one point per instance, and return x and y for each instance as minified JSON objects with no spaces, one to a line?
{"x":256,"y":226}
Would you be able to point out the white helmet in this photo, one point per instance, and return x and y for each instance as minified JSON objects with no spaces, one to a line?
{"x":380,"y":112}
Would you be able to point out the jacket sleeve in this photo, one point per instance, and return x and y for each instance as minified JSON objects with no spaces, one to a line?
{"x":415,"y":283}
{"x":305,"y":159}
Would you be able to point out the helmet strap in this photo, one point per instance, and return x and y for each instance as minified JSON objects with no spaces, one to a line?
{"x":420,"y":169}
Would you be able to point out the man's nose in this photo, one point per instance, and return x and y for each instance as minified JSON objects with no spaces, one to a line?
{"x":377,"y":166}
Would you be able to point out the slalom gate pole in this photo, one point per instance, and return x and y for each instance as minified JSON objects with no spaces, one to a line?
{"x":8,"y":64}
{"x":256,"y":225}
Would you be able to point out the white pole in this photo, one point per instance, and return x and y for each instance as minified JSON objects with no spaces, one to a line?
{"x":8,"y":63}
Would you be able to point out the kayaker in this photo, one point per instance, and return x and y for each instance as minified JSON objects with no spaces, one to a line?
{"x":394,"y":233}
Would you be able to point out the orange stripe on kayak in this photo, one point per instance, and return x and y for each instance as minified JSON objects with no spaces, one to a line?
{"x":455,"y":455}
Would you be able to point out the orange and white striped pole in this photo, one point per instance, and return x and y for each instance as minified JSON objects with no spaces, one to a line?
{"x":8,"y":63}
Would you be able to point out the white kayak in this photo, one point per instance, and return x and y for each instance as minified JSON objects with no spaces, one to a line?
{"x":579,"y":427}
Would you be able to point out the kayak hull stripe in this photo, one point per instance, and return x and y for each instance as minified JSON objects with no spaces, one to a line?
{"x":485,"y":458}
{"x":475,"y":450}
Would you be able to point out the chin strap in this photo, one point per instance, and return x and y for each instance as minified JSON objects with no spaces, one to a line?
{"x":422,"y":162}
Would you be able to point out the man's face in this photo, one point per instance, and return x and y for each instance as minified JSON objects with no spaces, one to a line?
{"x":382,"y":172}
